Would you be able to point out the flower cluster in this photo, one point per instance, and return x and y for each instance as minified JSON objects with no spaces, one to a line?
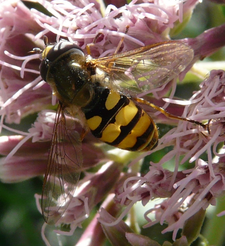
{"x":117,"y":182}
{"x":194,"y":188}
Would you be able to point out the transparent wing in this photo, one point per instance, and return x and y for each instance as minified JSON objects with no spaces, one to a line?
{"x":147,"y":67}
{"x":63,"y":170}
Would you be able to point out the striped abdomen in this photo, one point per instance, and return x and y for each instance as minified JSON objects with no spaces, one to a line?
{"x":117,"y":120}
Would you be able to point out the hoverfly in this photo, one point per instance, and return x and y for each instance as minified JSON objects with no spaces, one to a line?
{"x":92,"y":87}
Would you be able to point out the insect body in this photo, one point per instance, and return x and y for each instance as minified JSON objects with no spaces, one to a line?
{"x":111,"y":116}
{"x":91,"y":86}
{"x":117,"y":120}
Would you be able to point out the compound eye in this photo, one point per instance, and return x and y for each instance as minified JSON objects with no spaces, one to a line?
{"x":52,"y":52}
{"x":60,"y":48}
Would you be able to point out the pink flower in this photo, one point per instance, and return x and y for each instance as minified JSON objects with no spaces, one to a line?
{"x":187,"y":191}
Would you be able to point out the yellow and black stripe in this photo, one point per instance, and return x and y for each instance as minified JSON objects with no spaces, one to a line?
{"x":111,"y":116}
{"x":116,"y":120}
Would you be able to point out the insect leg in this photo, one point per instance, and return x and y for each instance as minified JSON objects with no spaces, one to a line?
{"x":46,"y":40}
{"x":121,"y":41}
{"x":169,"y":115}
{"x":88,"y":47}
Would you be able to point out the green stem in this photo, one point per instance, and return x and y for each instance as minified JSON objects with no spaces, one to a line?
{"x":215,"y":228}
